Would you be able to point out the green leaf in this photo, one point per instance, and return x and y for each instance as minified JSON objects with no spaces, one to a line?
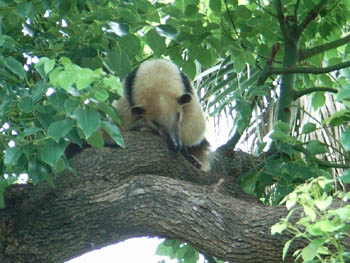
{"x":66,"y":62}
{"x":54,"y":76}
{"x":279,"y":135}
{"x":38,"y":91}
{"x":26,"y":9}
{"x":15,"y":66}
{"x":345,"y":177}
{"x":41,"y":62}
{"x":52,"y":152}
{"x":191,"y":10}
{"x":343,"y":93}
{"x":58,"y":99}
{"x":163,"y":250}
{"x":338,"y":118}
{"x":110,"y":111}
{"x":189,"y":69}
{"x":249,"y":181}
{"x":155,"y":42}
{"x":12,"y":155}
{"x":131,"y":45}
{"x":70,"y":105}
{"x":96,"y":139}
{"x":114,"y":132}
{"x":215,"y":5}
{"x":329,"y":226}
{"x":345,"y":139}
{"x":88,"y":120}
{"x":49,"y":65}
{"x":240,"y":63}
{"x":101,"y":94}
{"x":26,"y":104}
{"x":282,"y":126}
{"x":315,"y":147}
{"x":318,"y":100}
{"x":118,"y":61}
{"x":114,"y":84}
{"x":310,"y":212}
{"x":84,"y":78}
{"x":278,"y":228}
{"x":343,"y":212}
{"x":66,"y":79}
{"x":190,"y":2}
{"x":166,"y":31}
{"x":323,"y":204}
{"x":311,"y":250}
{"x":286,"y":248}
{"x":309,"y":127}
{"x":61,"y":128}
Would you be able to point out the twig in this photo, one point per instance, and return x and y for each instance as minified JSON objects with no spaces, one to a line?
{"x":304,"y":92}
{"x":311,"y":16}
{"x":231,"y":19}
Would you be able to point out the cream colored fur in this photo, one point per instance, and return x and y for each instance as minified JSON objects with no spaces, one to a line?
{"x":157,"y":87}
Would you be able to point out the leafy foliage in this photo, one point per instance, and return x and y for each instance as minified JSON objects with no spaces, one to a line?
{"x":271,"y":68}
{"x":321,"y":225}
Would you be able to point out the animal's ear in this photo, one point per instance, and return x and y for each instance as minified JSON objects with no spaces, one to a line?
{"x":137,"y":111}
{"x":185,"y":98}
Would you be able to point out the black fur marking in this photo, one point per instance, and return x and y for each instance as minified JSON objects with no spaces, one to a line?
{"x":187,"y":83}
{"x":128,"y":86}
{"x":204,"y":144}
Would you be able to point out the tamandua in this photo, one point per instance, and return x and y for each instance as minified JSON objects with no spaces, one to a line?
{"x":162,"y":96}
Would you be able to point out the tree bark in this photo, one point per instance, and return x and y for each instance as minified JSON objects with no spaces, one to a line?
{"x":142,"y":190}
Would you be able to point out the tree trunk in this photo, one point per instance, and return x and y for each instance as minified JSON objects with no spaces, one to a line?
{"x":143,"y":190}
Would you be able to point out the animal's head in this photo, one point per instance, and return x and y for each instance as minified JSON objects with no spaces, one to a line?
{"x":157,"y":92}
{"x":164,"y":113}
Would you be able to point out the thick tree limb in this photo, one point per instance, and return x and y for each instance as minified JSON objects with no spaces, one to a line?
{"x":142,"y":190}
{"x":305,"y":54}
{"x":309,"y":70}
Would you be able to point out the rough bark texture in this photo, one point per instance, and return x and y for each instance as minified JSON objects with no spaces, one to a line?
{"x":143,"y":190}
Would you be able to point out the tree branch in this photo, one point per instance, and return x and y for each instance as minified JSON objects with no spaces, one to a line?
{"x":231,"y":19}
{"x":309,"y":70}
{"x":305,"y":54}
{"x":311,"y":16}
{"x":142,"y":190}
{"x":296,"y":8}
{"x":281,"y":18}
{"x":304,"y":92}
{"x":318,"y":161}
{"x":265,"y":10}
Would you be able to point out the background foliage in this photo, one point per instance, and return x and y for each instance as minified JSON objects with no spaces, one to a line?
{"x":276,"y":71}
